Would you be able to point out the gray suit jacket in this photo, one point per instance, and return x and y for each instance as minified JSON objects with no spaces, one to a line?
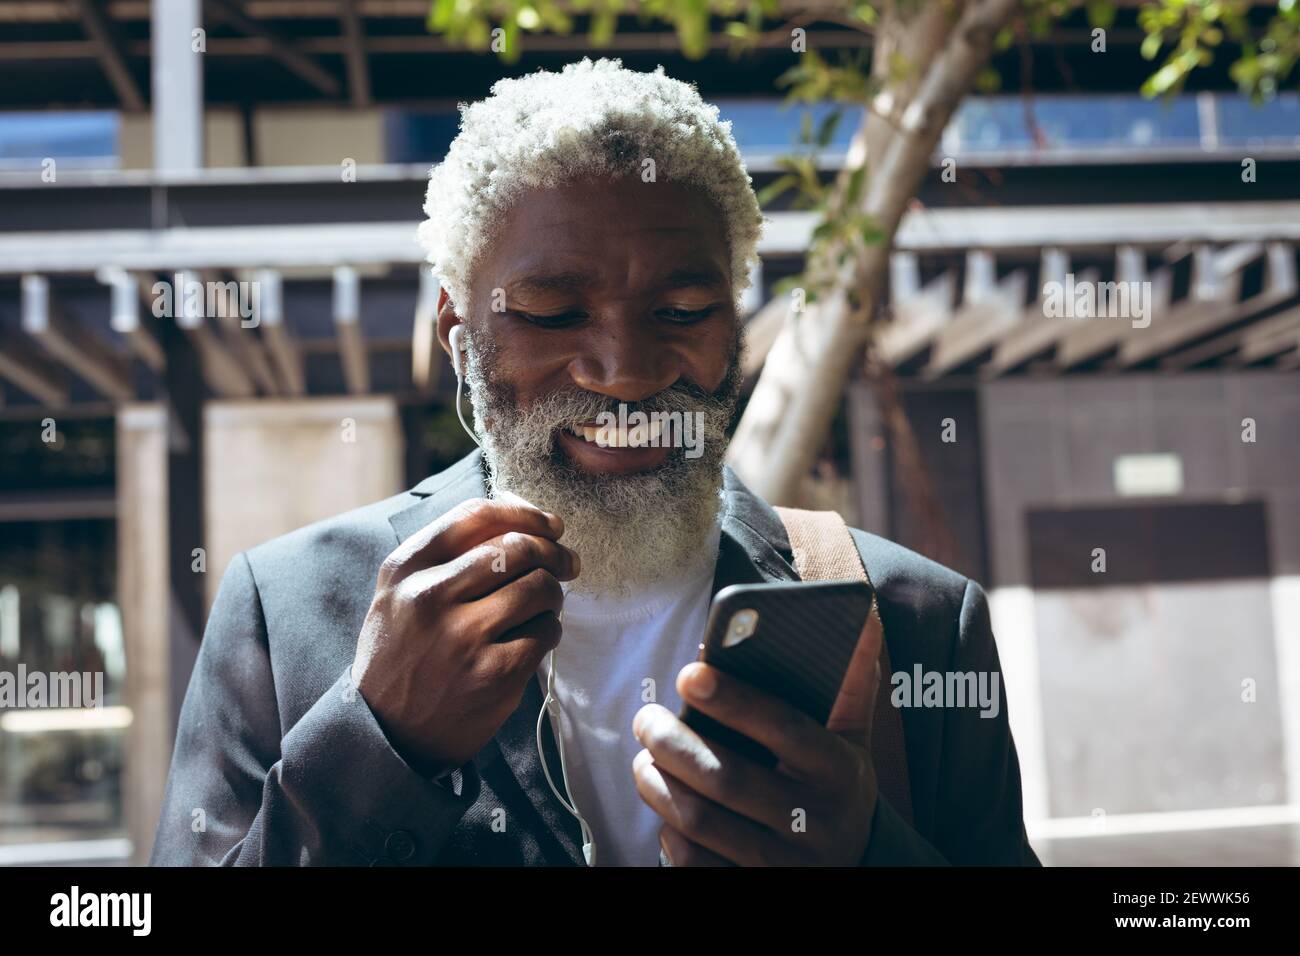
{"x":279,"y":761}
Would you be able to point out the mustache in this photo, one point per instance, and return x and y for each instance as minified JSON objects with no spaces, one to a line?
{"x":573,"y":405}
{"x":518,"y":430}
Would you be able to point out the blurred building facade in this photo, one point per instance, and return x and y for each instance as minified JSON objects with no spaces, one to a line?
{"x":285,"y":169}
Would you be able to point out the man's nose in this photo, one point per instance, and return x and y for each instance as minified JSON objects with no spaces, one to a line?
{"x":628,"y":367}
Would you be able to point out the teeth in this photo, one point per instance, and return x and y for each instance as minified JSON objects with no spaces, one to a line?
{"x":615,"y":437}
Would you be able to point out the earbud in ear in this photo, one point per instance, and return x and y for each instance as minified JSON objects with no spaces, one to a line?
{"x":455,"y":339}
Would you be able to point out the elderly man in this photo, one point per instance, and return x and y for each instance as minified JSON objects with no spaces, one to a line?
{"x":370,"y":688}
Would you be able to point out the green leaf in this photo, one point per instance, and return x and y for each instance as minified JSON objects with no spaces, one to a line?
{"x":440,"y":15}
{"x":1101,"y":13}
{"x":1164,"y":80}
{"x":778,"y":187}
{"x":511,"y":47}
{"x":826,"y":130}
{"x":603,"y":24}
{"x":988,"y":80}
{"x":825,"y":229}
{"x":478,"y":33}
{"x":869,"y":231}
{"x":692,"y":20}
{"x":853,"y":190}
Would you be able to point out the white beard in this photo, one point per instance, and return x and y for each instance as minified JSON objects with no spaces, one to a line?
{"x":630,"y":531}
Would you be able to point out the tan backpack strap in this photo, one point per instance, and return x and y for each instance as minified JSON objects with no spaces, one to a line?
{"x":824,"y":550}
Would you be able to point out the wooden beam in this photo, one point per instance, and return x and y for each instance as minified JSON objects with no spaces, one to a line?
{"x":221,"y":371}
{"x":647,"y":41}
{"x":128,"y":295}
{"x":110,"y":49}
{"x":354,"y":34}
{"x":27,"y":368}
{"x":990,"y":309}
{"x":324,"y":244}
{"x":67,"y":340}
{"x":347,"y":322}
{"x":138,"y":330}
{"x":1274,"y":336}
{"x":280,"y":341}
{"x":1211,"y":305}
{"x":1291,"y":360}
{"x":1101,"y":335}
{"x":917,"y":319}
{"x":1038,"y":334}
{"x":233,"y":299}
{"x":297,"y":63}
{"x":1279,"y":285}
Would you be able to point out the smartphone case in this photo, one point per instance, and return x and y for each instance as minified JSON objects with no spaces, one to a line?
{"x":802,"y":638}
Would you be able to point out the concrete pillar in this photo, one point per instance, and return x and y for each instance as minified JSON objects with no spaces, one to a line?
{"x":271,"y":466}
{"x":177,"y":85}
{"x":143,"y":596}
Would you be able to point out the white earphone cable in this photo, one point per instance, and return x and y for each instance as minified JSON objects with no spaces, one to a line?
{"x":588,"y":841}
{"x":458,"y":360}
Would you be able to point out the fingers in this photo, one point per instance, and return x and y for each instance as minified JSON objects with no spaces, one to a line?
{"x":714,"y":771}
{"x":802,"y":745}
{"x":682,"y":852}
{"x":521,"y":649}
{"x":703,"y":822}
{"x":503,"y":559}
{"x":852,"y":711}
{"x":509,"y":606}
{"x":468,"y":524}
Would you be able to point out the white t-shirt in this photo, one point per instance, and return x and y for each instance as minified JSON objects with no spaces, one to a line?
{"x":610,"y":653}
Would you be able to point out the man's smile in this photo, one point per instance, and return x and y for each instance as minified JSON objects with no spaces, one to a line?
{"x":612,"y":450}
{"x":619,"y":436}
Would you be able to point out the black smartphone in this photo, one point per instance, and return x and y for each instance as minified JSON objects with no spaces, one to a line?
{"x":790,"y":639}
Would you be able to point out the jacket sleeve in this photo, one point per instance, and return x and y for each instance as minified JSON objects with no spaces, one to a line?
{"x":329,"y":791}
{"x":979,"y":817}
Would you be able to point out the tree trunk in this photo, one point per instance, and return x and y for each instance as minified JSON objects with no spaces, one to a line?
{"x":802,"y":383}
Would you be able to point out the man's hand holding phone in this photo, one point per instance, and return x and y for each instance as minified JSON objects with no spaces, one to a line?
{"x":721,"y":808}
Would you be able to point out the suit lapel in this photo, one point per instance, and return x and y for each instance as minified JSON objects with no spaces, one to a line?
{"x":753,"y":548}
{"x":439,"y":494}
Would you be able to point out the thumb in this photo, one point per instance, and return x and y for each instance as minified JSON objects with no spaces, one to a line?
{"x":851,"y":714}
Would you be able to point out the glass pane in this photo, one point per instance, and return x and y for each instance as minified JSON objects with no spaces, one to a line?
{"x":80,"y":139}
{"x":62,"y":671}
{"x":764,"y":126}
{"x":1277,"y":121}
{"x":1073,"y":122}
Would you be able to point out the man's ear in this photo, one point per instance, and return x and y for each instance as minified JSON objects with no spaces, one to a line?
{"x":447,"y":318}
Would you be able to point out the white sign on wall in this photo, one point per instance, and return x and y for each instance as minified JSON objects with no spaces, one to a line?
{"x":1158,"y":474}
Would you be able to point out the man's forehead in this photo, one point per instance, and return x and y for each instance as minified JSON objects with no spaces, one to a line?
{"x":597,"y":211}
{"x":540,"y":277}
{"x":576,"y":236}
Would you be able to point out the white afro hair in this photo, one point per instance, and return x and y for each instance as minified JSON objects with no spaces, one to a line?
{"x":592,"y":118}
